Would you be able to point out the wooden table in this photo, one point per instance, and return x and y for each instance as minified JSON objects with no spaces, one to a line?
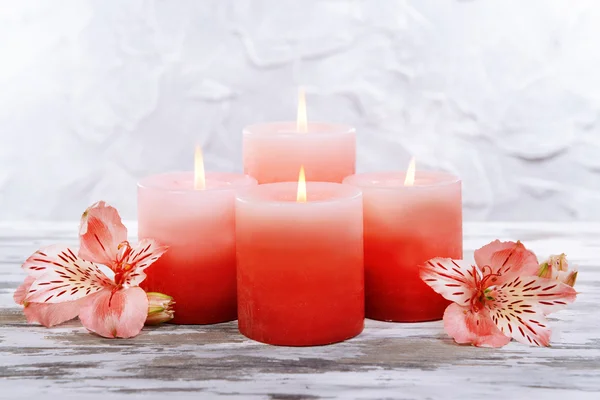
{"x":388,"y":361}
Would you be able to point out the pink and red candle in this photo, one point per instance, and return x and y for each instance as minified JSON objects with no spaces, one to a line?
{"x":300,"y":263}
{"x":196,"y":219}
{"x":274,"y":152}
{"x":405,"y":224}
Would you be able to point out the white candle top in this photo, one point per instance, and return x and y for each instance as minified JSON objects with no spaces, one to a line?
{"x":395,"y":179}
{"x":184,"y":181}
{"x":290,"y":129}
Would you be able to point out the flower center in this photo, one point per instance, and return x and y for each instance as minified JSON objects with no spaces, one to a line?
{"x":484,"y":290}
{"x":122,"y":268}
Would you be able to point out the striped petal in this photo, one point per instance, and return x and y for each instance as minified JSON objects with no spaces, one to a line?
{"x":476,"y":328}
{"x":100,"y":233}
{"x":146,"y":252}
{"x":66,"y":277}
{"x":507,"y":259}
{"x":119,"y":314}
{"x":456,"y":280}
{"x":519,"y":307}
{"x":44,"y":260}
{"x":22,"y":290}
{"x":50,"y":314}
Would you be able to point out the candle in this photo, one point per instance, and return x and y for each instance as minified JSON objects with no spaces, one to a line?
{"x":407,"y":220}
{"x":194,"y":215}
{"x":274,"y":152}
{"x":300,"y":263}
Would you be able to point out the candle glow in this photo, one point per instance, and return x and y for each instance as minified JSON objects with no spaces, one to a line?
{"x":199,"y":177}
{"x":301,"y":195}
{"x":409,"y":180}
{"x":301,"y":117}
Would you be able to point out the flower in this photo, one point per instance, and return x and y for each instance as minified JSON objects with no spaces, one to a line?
{"x":62,"y":284}
{"x":160,"y":308}
{"x":497,"y":299}
{"x":556,"y":267}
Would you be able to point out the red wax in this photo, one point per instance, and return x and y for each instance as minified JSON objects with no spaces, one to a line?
{"x":198,"y":269}
{"x":404,"y":227}
{"x":300,"y":265}
{"x":202,"y":282}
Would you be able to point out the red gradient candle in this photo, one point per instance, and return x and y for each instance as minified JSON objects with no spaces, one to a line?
{"x":300,"y":263}
{"x":407,"y":223}
{"x":196,"y":219}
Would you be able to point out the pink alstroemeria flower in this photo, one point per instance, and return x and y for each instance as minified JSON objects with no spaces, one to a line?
{"x":498,"y":299}
{"x":62,"y":285}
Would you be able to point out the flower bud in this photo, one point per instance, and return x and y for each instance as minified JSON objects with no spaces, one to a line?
{"x":559,"y":262}
{"x":556,"y":267}
{"x":569,"y":278}
{"x":160,"y":308}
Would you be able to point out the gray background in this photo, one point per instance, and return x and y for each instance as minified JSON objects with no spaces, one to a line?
{"x":96,"y":94}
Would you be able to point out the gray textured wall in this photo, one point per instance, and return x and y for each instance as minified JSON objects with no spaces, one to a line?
{"x":96,"y":94}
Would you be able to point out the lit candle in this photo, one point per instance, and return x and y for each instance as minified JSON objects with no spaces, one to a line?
{"x":408,"y":219}
{"x":273,"y":152}
{"x":300,"y":263}
{"x":194,"y":215}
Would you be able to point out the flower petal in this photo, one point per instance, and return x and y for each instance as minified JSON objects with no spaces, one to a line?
{"x":119,"y":314}
{"x":100,"y":233}
{"x":477,"y":329}
{"x":518,"y":307}
{"x":483,"y":256}
{"x":66,"y":278}
{"x":22,"y":290}
{"x":146,"y":252}
{"x":508,"y":259}
{"x":43,"y":260}
{"x":453,"y":279}
{"x":49,"y":314}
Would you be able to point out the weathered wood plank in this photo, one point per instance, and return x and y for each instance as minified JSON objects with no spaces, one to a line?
{"x":386,"y":361}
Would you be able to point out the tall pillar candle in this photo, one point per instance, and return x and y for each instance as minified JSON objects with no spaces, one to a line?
{"x":274,"y":152}
{"x":198,"y":270}
{"x":404,"y":227}
{"x":300,"y":264}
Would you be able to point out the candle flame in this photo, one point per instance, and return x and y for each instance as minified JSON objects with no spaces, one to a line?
{"x":301,"y":195}
{"x":409,"y":180}
{"x":301,"y":118}
{"x":199,"y":178}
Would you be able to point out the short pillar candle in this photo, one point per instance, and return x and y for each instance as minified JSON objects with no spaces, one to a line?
{"x":300,"y":264}
{"x":274,"y":152}
{"x":198,"y":270}
{"x":404,"y":227}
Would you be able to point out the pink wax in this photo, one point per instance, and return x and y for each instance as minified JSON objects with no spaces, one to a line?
{"x":274,"y":152}
{"x":198,"y":270}
{"x":300,"y":265}
{"x":404,"y":227}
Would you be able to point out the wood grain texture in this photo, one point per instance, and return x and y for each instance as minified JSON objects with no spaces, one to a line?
{"x":388,"y":361}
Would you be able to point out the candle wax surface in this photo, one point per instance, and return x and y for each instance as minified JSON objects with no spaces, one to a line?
{"x":198,"y":269}
{"x":274,"y":152}
{"x":404,"y":227}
